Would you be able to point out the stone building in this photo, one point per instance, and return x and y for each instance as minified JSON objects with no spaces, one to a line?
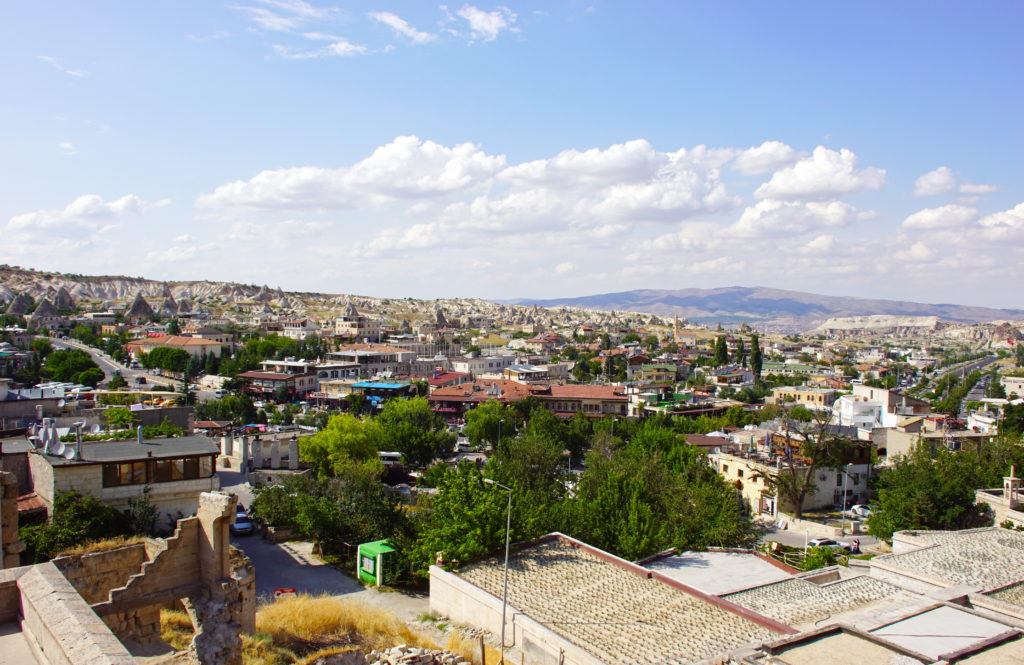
{"x":176,"y":471}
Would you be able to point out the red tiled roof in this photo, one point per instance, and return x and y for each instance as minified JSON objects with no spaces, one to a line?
{"x":584,"y":392}
{"x":29,"y":502}
{"x":446,"y":377}
{"x":511,"y":391}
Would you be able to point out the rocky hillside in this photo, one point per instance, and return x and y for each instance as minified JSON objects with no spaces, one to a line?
{"x":98,"y":292}
{"x":772,"y":308}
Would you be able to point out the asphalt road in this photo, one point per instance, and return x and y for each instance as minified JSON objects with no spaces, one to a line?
{"x":794,"y":538}
{"x":110,"y":366}
{"x":293,"y":566}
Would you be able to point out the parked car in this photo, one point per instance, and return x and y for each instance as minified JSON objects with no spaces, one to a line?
{"x":243,"y":525}
{"x":860,"y":510}
{"x":829,"y":543}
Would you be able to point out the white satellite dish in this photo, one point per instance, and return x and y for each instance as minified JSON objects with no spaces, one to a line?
{"x":70,"y":453}
{"x":61,"y":403}
{"x":59,"y":448}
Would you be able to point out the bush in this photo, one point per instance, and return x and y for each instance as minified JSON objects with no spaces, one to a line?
{"x":76,"y":519}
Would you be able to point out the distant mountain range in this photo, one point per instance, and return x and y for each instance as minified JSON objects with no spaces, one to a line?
{"x":774,"y":309}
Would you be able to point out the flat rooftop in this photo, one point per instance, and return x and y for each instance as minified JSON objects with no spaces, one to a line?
{"x":863,"y":601}
{"x":944,"y":630}
{"x":131,"y":450}
{"x":986,"y":559}
{"x":618,"y":611}
{"x":719,"y":572}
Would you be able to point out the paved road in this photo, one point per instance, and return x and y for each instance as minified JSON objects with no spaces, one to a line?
{"x":292,"y":565}
{"x":111,"y":366}
{"x":794,"y":538}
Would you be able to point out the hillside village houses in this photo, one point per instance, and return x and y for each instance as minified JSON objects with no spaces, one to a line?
{"x":368,"y":353}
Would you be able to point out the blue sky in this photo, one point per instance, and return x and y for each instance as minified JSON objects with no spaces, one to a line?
{"x":526,"y":149}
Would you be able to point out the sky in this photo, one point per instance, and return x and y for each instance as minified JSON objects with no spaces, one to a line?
{"x":536,"y":150}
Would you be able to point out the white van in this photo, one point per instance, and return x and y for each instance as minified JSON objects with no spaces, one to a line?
{"x":219,"y":393}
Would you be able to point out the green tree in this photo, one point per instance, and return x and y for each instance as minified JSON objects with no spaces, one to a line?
{"x":929,"y":489}
{"x":809,"y":445}
{"x":488,"y":421}
{"x":76,"y":519}
{"x":118,"y":417}
{"x":652,"y":343}
{"x":71,"y":365}
{"x":755,"y":356}
{"x":740,"y":356}
{"x":345,"y":440}
{"x":721,"y":356}
{"x":173,"y":327}
{"x":465,"y":521}
{"x":116,"y":382}
{"x":411,"y":427}
{"x":42,"y":347}
{"x":630,"y":338}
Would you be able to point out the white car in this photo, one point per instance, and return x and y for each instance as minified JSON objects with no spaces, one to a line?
{"x":860,"y":510}
{"x":829,"y":543}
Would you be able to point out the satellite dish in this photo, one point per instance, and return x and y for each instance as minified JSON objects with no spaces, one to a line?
{"x":70,"y":453}
{"x":59,"y":448}
{"x":61,"y":403}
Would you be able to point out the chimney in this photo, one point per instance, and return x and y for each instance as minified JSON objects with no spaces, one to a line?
{"x":138,"y":431}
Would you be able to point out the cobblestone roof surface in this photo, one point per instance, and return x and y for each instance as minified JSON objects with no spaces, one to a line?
{"x":795,"y":602}
{"x":617,"y":615}
{"x":1012,"y":594}
{"x":982,"y":558}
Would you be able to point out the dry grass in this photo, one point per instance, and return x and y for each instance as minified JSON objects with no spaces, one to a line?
{"x":259,"y":649}
{"x":101,"y":545}
{"x":305,"y":623}
{"x":469,"y":647}
{"x":176,"y":629}
{"x":310,"y":659}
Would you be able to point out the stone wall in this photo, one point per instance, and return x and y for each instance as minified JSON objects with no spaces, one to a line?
{"x":96,"y":574}
{"x":527,"y":640}
{"x":174,"y":499}
{"x":10,"y":547}
{"x":59,"y":624}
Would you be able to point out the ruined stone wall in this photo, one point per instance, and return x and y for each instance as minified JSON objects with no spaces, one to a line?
{"x":58,"y":623}
{"x":96,"y":574}
{"x":10,"y":547}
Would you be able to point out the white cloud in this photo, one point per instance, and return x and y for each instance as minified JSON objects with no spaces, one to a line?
{"x":405,"y":169}
{"x":940,"y":181}
{"x":78,"y":73}
{"x":402,"y":27}
{"x":284,"y":15}
{"x":220,"y":34}
{"x":944,"y":181}
{"x":486,"y":26}
{"x":84,"y":225}
{"x":1004,"y":225}
{"x":765,"y":158}
{"x":825,"y":174}
{"x":67,"y":147}
{"x":918,"y":252}
{"x":339,"y":47}
{"x":943,"y":217}
{"x":566,"y":267}
{"x":770,"y":217}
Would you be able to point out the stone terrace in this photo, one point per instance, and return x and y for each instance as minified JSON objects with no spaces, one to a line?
{"x":617,"y":615}
{"x":982,"y":558}
{"x":798,"y":602}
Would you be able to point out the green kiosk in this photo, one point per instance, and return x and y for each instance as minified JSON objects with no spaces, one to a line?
{"x":370,"y":561}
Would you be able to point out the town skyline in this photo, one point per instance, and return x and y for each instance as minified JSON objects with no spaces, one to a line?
{"x":535,"y":151}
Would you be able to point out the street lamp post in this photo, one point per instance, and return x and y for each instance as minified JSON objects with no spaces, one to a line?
{"x":846,"y":475}
{"x":508,"y":531}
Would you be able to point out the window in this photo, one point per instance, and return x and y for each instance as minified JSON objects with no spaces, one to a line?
{"x":739,"y":473}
